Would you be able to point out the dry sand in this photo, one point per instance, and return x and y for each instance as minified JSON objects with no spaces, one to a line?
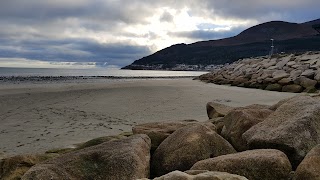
{"x":42,"y":116}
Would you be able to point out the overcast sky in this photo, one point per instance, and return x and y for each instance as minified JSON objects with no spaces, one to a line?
{"x":117,"y":32}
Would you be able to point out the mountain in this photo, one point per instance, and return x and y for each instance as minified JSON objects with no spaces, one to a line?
{"x":254,"y":41}
{"x":315,"y":24}
{"x":311,"y":23}
{"x":278,"y":30}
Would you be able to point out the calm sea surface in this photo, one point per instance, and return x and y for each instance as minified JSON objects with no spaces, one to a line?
{"x":25,"y":72}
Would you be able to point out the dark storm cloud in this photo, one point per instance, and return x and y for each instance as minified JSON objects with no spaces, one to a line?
{"x":208,"y":34}
{"x":57,"y":30}
{"x":72,"y":50}
{"x":261,"y":10}
{"x":34,"y":29}
{"x":166,"y":17}
{"x":114,"y":53}
{"x":97,"y":10}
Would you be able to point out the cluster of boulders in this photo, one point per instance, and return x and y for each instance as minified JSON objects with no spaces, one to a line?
{"x":288,"y":73}
{"x":254,"y":142}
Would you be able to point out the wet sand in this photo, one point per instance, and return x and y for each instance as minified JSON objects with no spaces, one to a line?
{"x":36,"y":117}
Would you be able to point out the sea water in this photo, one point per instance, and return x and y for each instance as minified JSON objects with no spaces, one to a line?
{"x":26,"y":72}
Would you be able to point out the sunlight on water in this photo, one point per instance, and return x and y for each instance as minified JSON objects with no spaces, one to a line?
{"x":93,"y":72}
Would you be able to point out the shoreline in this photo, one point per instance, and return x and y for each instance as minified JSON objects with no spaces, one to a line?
{"x":63,"y":78}
{"x":36,"y":117}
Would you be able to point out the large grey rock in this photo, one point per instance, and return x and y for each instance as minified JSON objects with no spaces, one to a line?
{"x":92,"y":142}
{"x":273,"y":68}
{"x":291,"y":63}
{"x":261,"y":72}
{"x":311,"y":61}
{"x":274,"y":87}
{"x":248,"y":71}
{"x":296,"y":66}
{"x":2,"y":155}
{"x":256,"y":85}
{"x":237,"y":74}
{"x":318,"y":61}
{"x":311,"y":90}
{"x":303,"y":67}
{"x":220,"y":80}
{"x":264,"y":76}
{"x":294,"y":74}
{"x":15,"y":167}
{"x":279,"y":74}
{"x":266,"y":164}
{"x":159,"y":131}
{"x":200,"y":175}
{"x":218,"y":122}
{"x":293,"y":128}
{"x":217,"y":110}
{"x":280,"y":103}
{"x":306,"y":82}
{"x":239,"y":121}
{"x":122,"y":159}
{"x":256,"y":75}
{"x":186,"y":146}
{"x":308,"y":73}
{"x":268,"y":72}
{"x":272,"y":62}
{"x":314,"y":67}
{"x":257,"y":68}
{"x":309,"y":55}
{"x":227,"y":76}
{"x":287,"y":69}
{"x":283,"y":62}
{"x":238,"y":67}
{"x":239,"y":80}
{"x":294,"y":88}
{"x":285,"y":81}
{"x":317,"y":75}
{"x":269,"y":80}
{"x":309,"y":168}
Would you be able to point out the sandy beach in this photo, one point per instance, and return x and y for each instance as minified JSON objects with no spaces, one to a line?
{"x":36,"y":117}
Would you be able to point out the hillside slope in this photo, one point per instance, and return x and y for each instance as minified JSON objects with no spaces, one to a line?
{"x":277,"y":30}
{"x":255,"y":41}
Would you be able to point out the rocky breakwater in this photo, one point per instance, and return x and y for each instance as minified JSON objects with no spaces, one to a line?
{"x":254,"y":142}
{"x":286,"y":72}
